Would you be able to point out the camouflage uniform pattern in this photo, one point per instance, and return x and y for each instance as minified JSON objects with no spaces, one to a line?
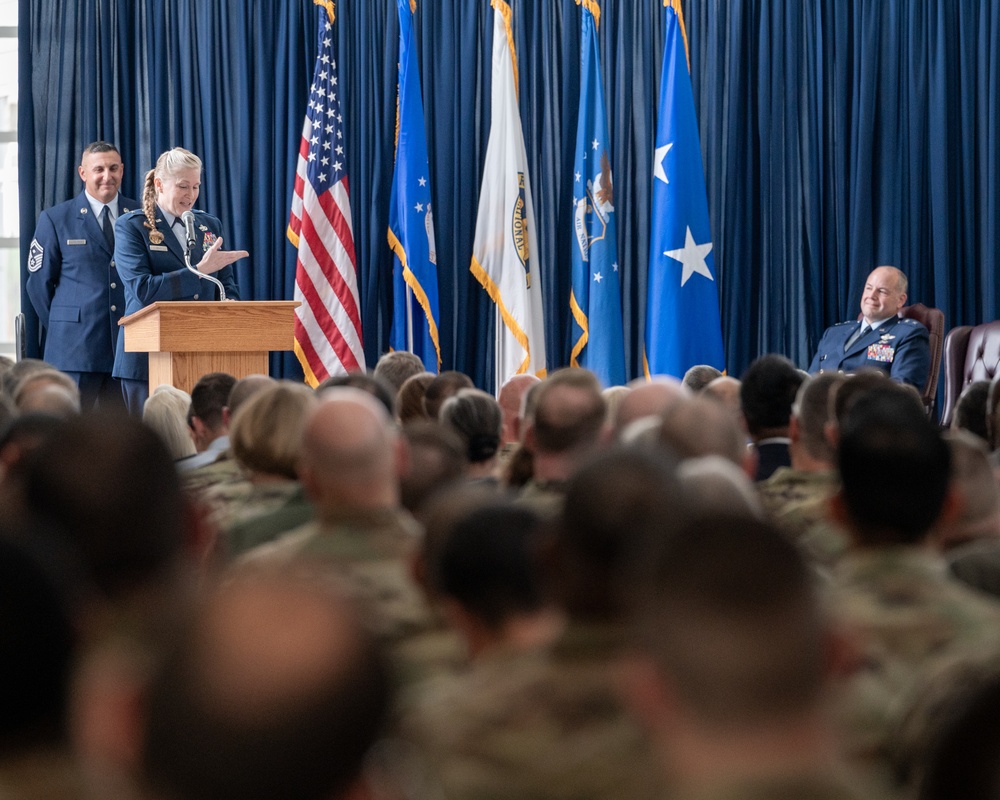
{"x":266,"y":524}
{"x":796,"y":502}
{"x":908,"y":616}
{"x":368,"y":556}
{"x":536,"y":725}
{"x":223,"y":469}
{"x":238,"y":500}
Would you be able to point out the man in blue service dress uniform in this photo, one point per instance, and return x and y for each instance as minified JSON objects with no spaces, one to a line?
{"x":881,"y":340}
{"x":73,"y":283}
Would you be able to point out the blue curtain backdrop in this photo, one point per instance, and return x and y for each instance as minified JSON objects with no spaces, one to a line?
{"x":836,"y":134}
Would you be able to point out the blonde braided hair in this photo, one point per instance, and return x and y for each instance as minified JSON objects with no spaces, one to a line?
{"x":167,"y":166}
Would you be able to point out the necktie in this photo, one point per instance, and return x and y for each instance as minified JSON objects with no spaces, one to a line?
{"x":862,"y":331}
{"x":108,"y":227}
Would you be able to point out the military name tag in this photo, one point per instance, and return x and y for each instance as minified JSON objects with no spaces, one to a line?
{"x":881,"y":352}
{"x":76,"y":241}
{"x":162,"y":247}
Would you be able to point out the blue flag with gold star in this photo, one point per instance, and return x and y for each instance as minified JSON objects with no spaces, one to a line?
{"x":411,"y":221}
{"x":595,"y":300}
{"x":682,"y":315}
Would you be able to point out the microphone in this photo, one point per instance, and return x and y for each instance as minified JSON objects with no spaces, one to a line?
{"x":188,"y":219}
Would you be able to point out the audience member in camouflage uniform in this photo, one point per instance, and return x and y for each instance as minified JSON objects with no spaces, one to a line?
{"x":223,"y":467}
{"x":733,"y":667}
{"x":797,"y":498}
{"x":265,"y":434}
{"x":550,"y":724}
{"x":351,"y":457}
{"x":563,"y":432}
{"x":892,"y":593}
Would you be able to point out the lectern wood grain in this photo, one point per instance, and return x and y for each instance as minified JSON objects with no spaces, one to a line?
{"x":186,"y":340}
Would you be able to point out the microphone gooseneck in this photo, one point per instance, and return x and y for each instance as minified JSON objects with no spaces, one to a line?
{"x":188,"y":219}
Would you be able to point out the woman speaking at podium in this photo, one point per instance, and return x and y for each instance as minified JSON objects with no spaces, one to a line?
{"x":150,"y":245}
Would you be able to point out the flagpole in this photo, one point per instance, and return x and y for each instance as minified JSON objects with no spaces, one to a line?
{"x":409,"y":318}
{"x":497,"y":360}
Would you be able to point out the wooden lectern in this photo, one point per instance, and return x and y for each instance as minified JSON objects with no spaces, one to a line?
{"x":187,"y":339}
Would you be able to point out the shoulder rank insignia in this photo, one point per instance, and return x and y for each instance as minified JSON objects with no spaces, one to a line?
{"x":35,"y":255}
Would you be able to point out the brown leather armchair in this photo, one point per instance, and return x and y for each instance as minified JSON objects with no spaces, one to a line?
{"x":971,"y":353}
{"x":933,"y":320}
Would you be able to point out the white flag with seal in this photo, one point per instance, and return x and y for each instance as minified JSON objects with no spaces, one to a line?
{"x":505,"y":254}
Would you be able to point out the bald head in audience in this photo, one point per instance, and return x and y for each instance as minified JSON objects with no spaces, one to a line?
{"x":48,"y":391}
{"x":699,"y":427}
{"x":648,"y":399}
{"x":726,"y":390}
{"x":511,"y":401}
{"x":351,"y":454}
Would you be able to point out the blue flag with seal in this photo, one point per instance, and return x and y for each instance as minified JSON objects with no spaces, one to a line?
{"x":682,"y":315}
{"x":595,"y":299}
{"x":411,"y":221}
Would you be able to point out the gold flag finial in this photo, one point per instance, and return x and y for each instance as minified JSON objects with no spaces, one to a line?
{"x":331,"y":8}
{"x":503,"y":9}
{"x":593,"y":8}
{"x":676,"y":6}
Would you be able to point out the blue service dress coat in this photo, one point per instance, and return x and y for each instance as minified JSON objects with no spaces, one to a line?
{"x":75,"y":287}
{"x":156,"y":271}
{"x":899,"y":347}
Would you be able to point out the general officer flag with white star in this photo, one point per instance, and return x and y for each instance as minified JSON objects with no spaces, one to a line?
{"x":411,"y":221}
{"x":682,"y":315}
{"x":595,"y":299}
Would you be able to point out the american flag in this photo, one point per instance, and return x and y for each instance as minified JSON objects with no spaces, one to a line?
{"x":328,"y":322}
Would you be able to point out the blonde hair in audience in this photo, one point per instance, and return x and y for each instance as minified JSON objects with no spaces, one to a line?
{"x":266,"y":432}
{"x":165,"y":413}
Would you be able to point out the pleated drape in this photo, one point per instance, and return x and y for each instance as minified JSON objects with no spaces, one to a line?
{"x":836,"y":135}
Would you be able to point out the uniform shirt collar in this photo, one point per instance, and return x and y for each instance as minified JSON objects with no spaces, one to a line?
{"x":96,"y":206}
{"x":876,"y":325}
